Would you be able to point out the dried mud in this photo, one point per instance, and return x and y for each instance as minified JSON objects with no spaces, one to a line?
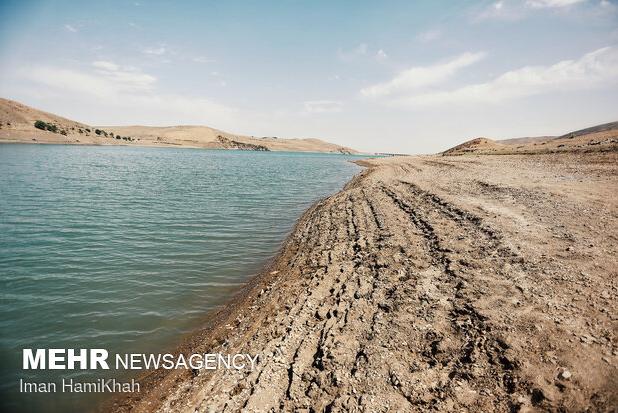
{"x":482,"y":283}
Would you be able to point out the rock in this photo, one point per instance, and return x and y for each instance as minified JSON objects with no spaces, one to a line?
{"x":522,"y":399}
{"x":321,"y":313}
{"x":565,"y":374}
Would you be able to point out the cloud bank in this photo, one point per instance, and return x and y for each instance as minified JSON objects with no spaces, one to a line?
{"x":421,"y":76}
{"x":592,"y":70}
{"x":108,"y":84}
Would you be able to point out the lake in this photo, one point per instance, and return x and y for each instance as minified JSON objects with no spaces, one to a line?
{"x":127,"y":248}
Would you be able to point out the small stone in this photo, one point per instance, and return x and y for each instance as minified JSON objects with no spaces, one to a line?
{"x":321,"y":313}
{"x":565,"y":374}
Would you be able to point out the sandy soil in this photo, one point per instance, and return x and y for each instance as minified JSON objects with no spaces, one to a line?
{"x":469,"y":283}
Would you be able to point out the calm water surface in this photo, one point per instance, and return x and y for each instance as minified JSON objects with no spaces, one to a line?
{"x":127,"y":248}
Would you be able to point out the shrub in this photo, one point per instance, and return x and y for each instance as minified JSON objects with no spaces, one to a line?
{"x":97,"y":131}
{"x":39,"y":124}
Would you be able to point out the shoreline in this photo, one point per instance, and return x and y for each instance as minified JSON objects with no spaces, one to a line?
{"x":425,"y":282}
{"x":178,"y":146}
{"x":213,"y":325}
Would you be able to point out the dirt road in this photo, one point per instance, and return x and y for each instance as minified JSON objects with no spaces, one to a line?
{"x":467,"y":283}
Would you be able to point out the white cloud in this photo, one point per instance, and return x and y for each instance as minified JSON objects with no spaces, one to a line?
{"x":105,"y":65}
{"x":594,"y":69}
{"x":360,"y":50}
{"x":381,"y":55}
{"x":322,"y":106}
{"x":518,"y":9}
{"x":429,"y":35}
{"x":422,"y":76}
{"x":545,"y":4}
{"x":202,"y":59}
{"x":501,"y":10}
{"x":70,"y":28}
{"x":128,"y":91}
{"x":607,"y":8}
{"x":124,"y":78}
{"x":155,"y":51}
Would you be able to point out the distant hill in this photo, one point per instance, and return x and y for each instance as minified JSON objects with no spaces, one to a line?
{"x":594,"y":139}
{"x":477,"y":145}
{"x":529,"y":139}
{"x":606,"y":127}
{"x":21,"y":123}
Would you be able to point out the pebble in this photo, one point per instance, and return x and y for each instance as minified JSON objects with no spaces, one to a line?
{"x":565,"y":374}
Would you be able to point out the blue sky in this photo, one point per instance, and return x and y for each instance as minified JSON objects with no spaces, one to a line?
{"x":397,"y":76}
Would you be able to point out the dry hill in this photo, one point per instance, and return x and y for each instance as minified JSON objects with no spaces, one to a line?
{"x":23,"y":124}
{"x":600,"y":138}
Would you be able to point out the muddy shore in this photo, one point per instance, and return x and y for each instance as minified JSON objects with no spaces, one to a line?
{"x":474,"y":283}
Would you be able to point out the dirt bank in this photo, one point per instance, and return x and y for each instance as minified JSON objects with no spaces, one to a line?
{"x":474,"y":283}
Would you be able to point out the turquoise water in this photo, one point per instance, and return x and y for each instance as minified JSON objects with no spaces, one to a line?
{"x":127,"y":248}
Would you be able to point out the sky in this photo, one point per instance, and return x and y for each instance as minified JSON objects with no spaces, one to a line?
{"x":392,"y":76}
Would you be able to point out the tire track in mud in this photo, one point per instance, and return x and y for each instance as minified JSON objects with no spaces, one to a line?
{"x":479,"y":341}
{"x":360,"y":282}
{"x":381,"y":302}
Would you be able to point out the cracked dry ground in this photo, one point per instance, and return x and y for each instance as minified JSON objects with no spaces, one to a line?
{"x":430,"y":283}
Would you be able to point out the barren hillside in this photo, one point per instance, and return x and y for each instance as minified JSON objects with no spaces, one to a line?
{"x":600,"y":138}
{"x":18,"y":123}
